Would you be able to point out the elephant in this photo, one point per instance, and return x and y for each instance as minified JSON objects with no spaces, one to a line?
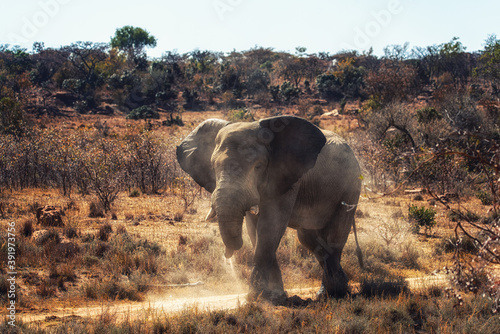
{"x":276,"y":173}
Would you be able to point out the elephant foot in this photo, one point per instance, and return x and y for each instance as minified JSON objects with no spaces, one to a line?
{"x":335,"y":288}
{"x":324,"y":293}
{"x":275,"y":297}
{"x":296,"y":301}
{"x":261,"y":287}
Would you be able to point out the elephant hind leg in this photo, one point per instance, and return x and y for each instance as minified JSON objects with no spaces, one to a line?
{"x":327,"y":246}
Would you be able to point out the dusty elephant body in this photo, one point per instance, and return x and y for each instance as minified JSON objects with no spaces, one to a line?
{"x":276,"y":173}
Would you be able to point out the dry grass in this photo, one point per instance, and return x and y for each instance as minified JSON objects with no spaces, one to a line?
{"x":149,"y":242}
{"x":402,"y":313}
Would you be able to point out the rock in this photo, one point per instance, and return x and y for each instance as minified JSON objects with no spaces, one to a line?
{"x":330,"y":114}
{"x":66,"y":98}
{"x":49,"y":216}
{"x":40,"y":237}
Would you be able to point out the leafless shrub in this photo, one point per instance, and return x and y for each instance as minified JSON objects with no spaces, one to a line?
{"x":104,"y":231}
{"x":27,"y":228}
{"x":393,"y":231}
{"x":186,"y":189}
{"x":384,"y":287}
{"x":178,"y":216}
{"x":45,"y":289}
{"x":120,"y":229}
{"x":96,"y":210}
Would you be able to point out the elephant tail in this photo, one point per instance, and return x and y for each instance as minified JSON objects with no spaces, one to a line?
{"x":359,"y":253}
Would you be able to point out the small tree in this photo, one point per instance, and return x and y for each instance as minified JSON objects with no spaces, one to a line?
{"x":489,"y":63}
{"x":133,"y":41}
{"x":11,"y":117}
{"x":422,"y":217}
{"x":102,"y":167}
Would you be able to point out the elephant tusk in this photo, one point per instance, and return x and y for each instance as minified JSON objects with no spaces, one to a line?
{"x":211,"y":214}
{"x":254,"y":210}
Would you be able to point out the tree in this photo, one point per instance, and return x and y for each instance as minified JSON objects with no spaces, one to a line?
{"x":11,"y":117}
{"x":85,"y":58}
{"x":102,"y":167}
{"x":489,"y":62}
{"x":454,"y":60}
{"x":392,"y":81}
{"x":133,"y":40}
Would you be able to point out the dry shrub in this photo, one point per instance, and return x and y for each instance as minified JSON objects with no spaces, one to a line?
{"x":383,"y":287}
{"x":45,"y":289}
{"x":4,"y":288}
{"x":104,"y":232}
{"x":178,"y":277}
{"x":201,"y":245}
{"x":31,"y":278}
{"x":100,"y":248}
{"x":27,"y":228}
{"x":182,"y":240}
{"x":70,"y":232}
{"x":96,"y":210}
{"x":59,"y":275}
{"x":90,"y":260}
{"x":178,"y":216}
{"x":393,"y":231}
{"x":409,"y":256}
{"x":146,"y":263}
{"x":51,"y":237}
{"x":111,"y":289}
{"x":120,"y":229}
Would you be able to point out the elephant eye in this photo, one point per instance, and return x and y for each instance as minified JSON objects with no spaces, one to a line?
{"x":259,"y":166}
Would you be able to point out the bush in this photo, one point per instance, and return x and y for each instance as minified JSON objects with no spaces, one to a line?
{"x":104,"y":232}
{"x":111,"y":290}
{"x":134,"y":193}
{"x":27,"y":228}
{"x":451,"y":244}
{"x":289,"y":92}
{"x":241,"y":115}
{"x":70,"y":232}
{"x":96,"y":210}
{"x":143,"y":112}
{"x":422,"y":217}
{"x":428,"y":114}
{"x":484,"y":197}
{"x":383,"y":287}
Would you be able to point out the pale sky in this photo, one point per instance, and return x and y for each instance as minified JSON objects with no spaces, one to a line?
{"x":225,"y":25}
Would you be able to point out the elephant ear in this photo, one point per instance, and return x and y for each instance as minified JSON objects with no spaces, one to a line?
{"x":195,"y":152}
{"x":294,"y":145}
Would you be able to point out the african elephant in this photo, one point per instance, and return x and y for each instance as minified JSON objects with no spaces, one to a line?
{"x":276,"y":173}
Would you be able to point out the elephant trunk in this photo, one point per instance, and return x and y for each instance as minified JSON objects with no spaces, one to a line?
{"x":230,"y":211}
{"x":231,"y":233}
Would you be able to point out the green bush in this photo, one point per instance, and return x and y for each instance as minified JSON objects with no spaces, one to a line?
{"x":428,"y":114}
{"x":289,"y":92}
{"x":241,"y":115}
{"x":422,"y":217}
{"x":484,"y":197}
{"x":143,"y":112}
{"x":134,"y":193}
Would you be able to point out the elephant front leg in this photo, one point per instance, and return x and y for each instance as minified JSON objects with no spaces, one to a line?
{"x":271,"y":226}
{"x":266,"y":280}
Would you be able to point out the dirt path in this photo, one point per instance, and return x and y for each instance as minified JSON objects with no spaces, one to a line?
{"x":153,"y":305}
{"x":171,"y":304}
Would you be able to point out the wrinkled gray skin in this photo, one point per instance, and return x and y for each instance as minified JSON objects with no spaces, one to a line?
{"x":276,"y":173}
